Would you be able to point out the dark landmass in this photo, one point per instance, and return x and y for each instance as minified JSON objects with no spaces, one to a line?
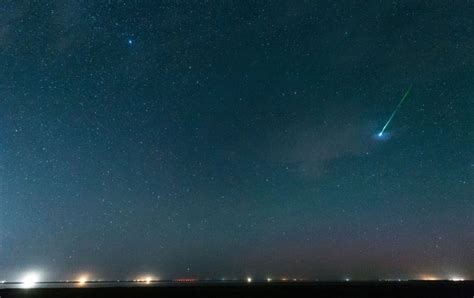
{"x":418,"y":289}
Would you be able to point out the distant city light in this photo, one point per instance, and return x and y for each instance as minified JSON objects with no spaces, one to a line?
{"x":269,"y":279}
{"x":185,"y":280}
{"x":146,"y":279}
{"x":83,"y":279}
{"x":30,"y":279}
{"x":456,"y":278}
{"x":428,"y":277}
{"x":249,"y":279}
{"x":347,"y":279}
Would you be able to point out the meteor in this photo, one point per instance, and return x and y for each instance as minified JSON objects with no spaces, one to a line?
{"x":381,"y":133}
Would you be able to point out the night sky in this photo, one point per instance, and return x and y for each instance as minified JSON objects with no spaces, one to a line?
{"x":214,"y":139}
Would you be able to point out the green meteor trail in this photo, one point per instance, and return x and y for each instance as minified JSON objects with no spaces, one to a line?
{"x":394,"y":112}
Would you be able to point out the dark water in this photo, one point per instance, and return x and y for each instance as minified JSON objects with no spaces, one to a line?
{"x":418,"y":289}
{"x":101,"y":284}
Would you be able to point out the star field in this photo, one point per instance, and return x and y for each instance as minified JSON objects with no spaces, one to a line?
{"x":218,"y":139}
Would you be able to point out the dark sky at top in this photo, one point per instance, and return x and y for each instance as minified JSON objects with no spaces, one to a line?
{"x":234,"y":138}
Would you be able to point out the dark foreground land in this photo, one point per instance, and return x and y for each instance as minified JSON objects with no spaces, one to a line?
{"x":319,"y":289}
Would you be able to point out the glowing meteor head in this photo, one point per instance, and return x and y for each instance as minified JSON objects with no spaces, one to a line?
{"x":381,"y":136}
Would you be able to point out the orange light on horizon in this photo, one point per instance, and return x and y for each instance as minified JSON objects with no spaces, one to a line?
{"x":428,"y":277}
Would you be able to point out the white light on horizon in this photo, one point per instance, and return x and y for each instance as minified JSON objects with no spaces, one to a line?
{"x":29,"y":280}
{"x":249,"y":279}
{"x":83,"y":279}
{"x":146,"y":279}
